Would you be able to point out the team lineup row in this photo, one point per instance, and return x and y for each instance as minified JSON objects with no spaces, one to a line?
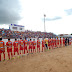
{"x":30,"y":46}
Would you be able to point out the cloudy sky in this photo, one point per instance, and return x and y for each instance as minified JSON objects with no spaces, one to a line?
{"x":30,"y":13}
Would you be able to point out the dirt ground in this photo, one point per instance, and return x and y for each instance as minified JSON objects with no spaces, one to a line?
{"x":56,"y":60}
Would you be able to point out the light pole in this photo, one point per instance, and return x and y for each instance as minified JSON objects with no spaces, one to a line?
{"x":44,"y":23}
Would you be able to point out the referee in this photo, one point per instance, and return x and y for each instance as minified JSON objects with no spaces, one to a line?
{"x":46,"y":43}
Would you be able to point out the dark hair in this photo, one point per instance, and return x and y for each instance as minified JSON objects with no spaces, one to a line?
{"x":0,"y":39}
{"x":30,"y":39}
{"x":20,"y":38}
{"x":9,"y":39}
{"x":15,"y":39}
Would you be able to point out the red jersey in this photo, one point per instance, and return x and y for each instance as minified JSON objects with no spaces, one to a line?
{"x":2,"y":45}
{"x":34,"y":43}
{"x":21,"y":43}
{"x":30,"y":43}
{"x":60,"y":40}
{"x":38,"y":42}
{"x":63,"y":40}
{"x":55,"y":40}
{"x":25,"y":42}
{"x":15,"y":44}
{"x":52,"y":41}
{"x":43,"y":42}
{"x":9,"y":45}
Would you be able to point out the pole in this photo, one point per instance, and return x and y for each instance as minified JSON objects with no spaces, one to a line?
{"x":44,"y":23}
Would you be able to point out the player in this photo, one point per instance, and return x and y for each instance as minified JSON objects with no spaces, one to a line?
{"x":15,"y":44}
{"x":2,"y":48}
{"x":38,"y":45}
{"x":21,"y":46}
{"x":30,"y":46}
{"x":52,"y":43}
{"x":57,"y":42}
{"x":43,"y":45}
{"x":34,"y":46}
{"x":25,"y":45}
{"x":63,"y":41}
{"x":9,"y":48}
{"x":60,"y":42}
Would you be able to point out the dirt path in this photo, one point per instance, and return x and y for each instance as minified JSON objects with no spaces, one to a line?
{"x":57,"y":60}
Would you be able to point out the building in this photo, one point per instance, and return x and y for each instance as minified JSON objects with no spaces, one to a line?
{"x":15,"y":27}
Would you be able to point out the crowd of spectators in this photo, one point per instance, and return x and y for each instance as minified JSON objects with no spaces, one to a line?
{"x":6,"y":33}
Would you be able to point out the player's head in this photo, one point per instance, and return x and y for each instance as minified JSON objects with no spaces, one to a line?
{"x":33,"y":39}
{"x":30,"y":39}
{"x":37,"y":38}
{"x":15,"y":39}
{"x":0,"y":38}
{"x":60,"y":37}
{"x":25,"y":38}
{"x":9,"y":39}
{"x":20,"y":38}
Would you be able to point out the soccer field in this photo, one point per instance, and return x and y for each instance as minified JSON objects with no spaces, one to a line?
{"x":56,"y":60}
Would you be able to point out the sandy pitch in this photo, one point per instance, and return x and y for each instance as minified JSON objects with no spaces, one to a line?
{"x":57,"y":60}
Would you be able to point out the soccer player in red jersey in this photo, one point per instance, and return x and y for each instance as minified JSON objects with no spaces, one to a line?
{"x":43,"y":45}
{"x":9,"y":48}
{"x":2,"y":48}
{"x":15,"y":44}
{"x":63,"y":41}
{"x":52,"y":43}
{"x":25,"y":45}
{"x":21,"y":45}
{"x":60,"y":42}
{"x":57,"y":43}
{"x":38,"y":45}
{"x":30,"y":46}
{"x":34,"y":46}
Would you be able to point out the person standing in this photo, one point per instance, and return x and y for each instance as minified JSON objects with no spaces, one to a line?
{"x":34,"y":46}
{"x":2,"y":48}
{"x":30,"y":46}
{"x":63,"y":41}
{"x":38,"y":45}
{"x":15,"y":44}
{"x":25,"y":45}
{"x":9,"y":48}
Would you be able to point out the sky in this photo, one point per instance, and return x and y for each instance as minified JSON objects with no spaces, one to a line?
{"x":30,"y":13}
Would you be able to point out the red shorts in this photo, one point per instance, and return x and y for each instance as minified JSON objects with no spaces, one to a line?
{"x":21,"y":48}
{"x":43,"y":46}
{"x":2,"y":51}
{"x":57,"y":43}
{"x":63,"y":42}
{"x":15,"y":49}
{"x":30,"y":47}
{"x":48,"y":44}
{"x":60,"y":43}
{"x":9,"y":50}
{"x":25,"y":47}
{"x":38,"y":46}
{"x":33,"y":47}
